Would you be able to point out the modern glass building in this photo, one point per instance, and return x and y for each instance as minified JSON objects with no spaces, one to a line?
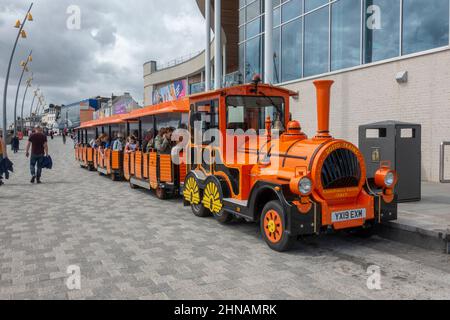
{"x":314,"y":37}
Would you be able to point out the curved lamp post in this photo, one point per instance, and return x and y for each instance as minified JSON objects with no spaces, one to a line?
{"x":38,"y":108}
{"x":24,"y":65}
{"x":36,"y":93}
{"x":40,"y":103}
{"x":23,"y":34}
{"x":23,"y":102}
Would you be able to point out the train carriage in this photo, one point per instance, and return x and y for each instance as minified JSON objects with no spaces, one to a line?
{"x":84,"y":153}
{"x":109,"y":162}
{"x":291,"y":184}
{"x":104,"y":160}
{"x":148,"y":168}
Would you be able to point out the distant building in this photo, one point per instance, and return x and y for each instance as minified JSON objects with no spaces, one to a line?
{"x":74,"y":114}
{"x":116,"y":105}
{"x":50,"y":116}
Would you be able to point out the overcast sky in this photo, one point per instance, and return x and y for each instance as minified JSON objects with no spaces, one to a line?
{"x":106,"y":55}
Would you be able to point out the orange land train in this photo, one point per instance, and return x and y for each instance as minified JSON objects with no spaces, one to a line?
{"x":297,"y":186}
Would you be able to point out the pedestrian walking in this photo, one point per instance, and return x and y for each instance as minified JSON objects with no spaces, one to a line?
{"x":39,"y":149}
{"x":15,"y":144}
{"x":51,"y":134}
{"x":64,"y":136}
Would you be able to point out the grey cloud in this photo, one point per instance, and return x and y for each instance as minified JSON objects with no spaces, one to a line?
{"x":73,"y":64}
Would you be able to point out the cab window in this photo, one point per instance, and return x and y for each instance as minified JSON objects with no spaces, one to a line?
{"x":247,"y":112}
{"x":206,"y":114}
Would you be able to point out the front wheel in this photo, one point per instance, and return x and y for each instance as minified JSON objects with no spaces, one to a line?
{"x":133,"y":186}
{"x":213,"y":201}
{"x":192,"y":196}
{"x":273,"y":227}
{"x":161,"y":193}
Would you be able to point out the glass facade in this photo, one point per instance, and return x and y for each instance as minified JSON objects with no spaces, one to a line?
{"x":313,"y":37}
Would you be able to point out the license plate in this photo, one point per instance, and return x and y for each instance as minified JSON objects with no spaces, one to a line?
{"x":349,"y":215}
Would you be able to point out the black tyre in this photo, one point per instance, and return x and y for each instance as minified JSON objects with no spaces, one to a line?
{"x":200,"y":211}
{"x":133,"y":186}
{"x":161,"y":193}
{"x":273,"y":227}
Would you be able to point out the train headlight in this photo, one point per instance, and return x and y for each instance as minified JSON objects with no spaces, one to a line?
{"x":305,"y":186}
{"x":385,"y":178}
{"x":389,"y":180}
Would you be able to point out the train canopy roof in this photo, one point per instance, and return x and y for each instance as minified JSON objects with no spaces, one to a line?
{"x":244,"y":89}
{"x":176,"y":106}
{"x":115,"y":119}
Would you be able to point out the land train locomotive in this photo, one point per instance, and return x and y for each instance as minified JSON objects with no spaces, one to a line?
{"x":290,"y":184}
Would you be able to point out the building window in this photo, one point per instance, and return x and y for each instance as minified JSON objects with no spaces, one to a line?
{"x":382,"y":30}
{"x":242,"y":58}
{"x":277,"y":55}
{"x":276,"y":16}
{"x":254,"y":10}
{"x":316,"y":42}
{"x":291,"y":10}
{"x":254,"y":28}
{"x":345,"y":38}
{"x":241,"y":33}
{"x":425,"y":25}
{"x":314,"y":4}
{"x":291,"y":50}
{"x":253,"y":58}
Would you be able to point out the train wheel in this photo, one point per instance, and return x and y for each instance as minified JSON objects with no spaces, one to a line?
{"x":213,"y":201}
{"x":161,"y":193}
{"x":133,"y":186}
{"x":114,"y":177}
{"x":273,"y":227}
{"x":191,"y":194}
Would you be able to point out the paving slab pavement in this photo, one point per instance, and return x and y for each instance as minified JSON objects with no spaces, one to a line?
{"x":130,"y":245}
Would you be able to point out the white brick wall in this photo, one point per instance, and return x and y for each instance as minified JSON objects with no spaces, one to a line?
{"x":372,"y":94}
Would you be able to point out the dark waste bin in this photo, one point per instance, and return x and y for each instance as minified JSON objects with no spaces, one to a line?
{"x":399,"y":143}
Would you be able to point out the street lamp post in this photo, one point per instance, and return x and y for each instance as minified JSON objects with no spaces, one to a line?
{"x":22,"y":33}
{"x":24,"y":65}
{"x":23,"y":102}
{"x":38,"y":108}
{"x":36,"y":93}
{"x":41,"y":104}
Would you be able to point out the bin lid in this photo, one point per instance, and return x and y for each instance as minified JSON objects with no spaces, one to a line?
{"x":390,"y":123}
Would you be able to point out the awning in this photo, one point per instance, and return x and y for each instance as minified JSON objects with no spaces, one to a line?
{"x":115,"y":119}
{"x":180,"y":106}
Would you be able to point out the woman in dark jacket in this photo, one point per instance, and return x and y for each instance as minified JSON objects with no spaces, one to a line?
{"x":15,"y":144}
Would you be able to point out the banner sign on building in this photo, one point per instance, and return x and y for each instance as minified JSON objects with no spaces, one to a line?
{"x":174,"y":91}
